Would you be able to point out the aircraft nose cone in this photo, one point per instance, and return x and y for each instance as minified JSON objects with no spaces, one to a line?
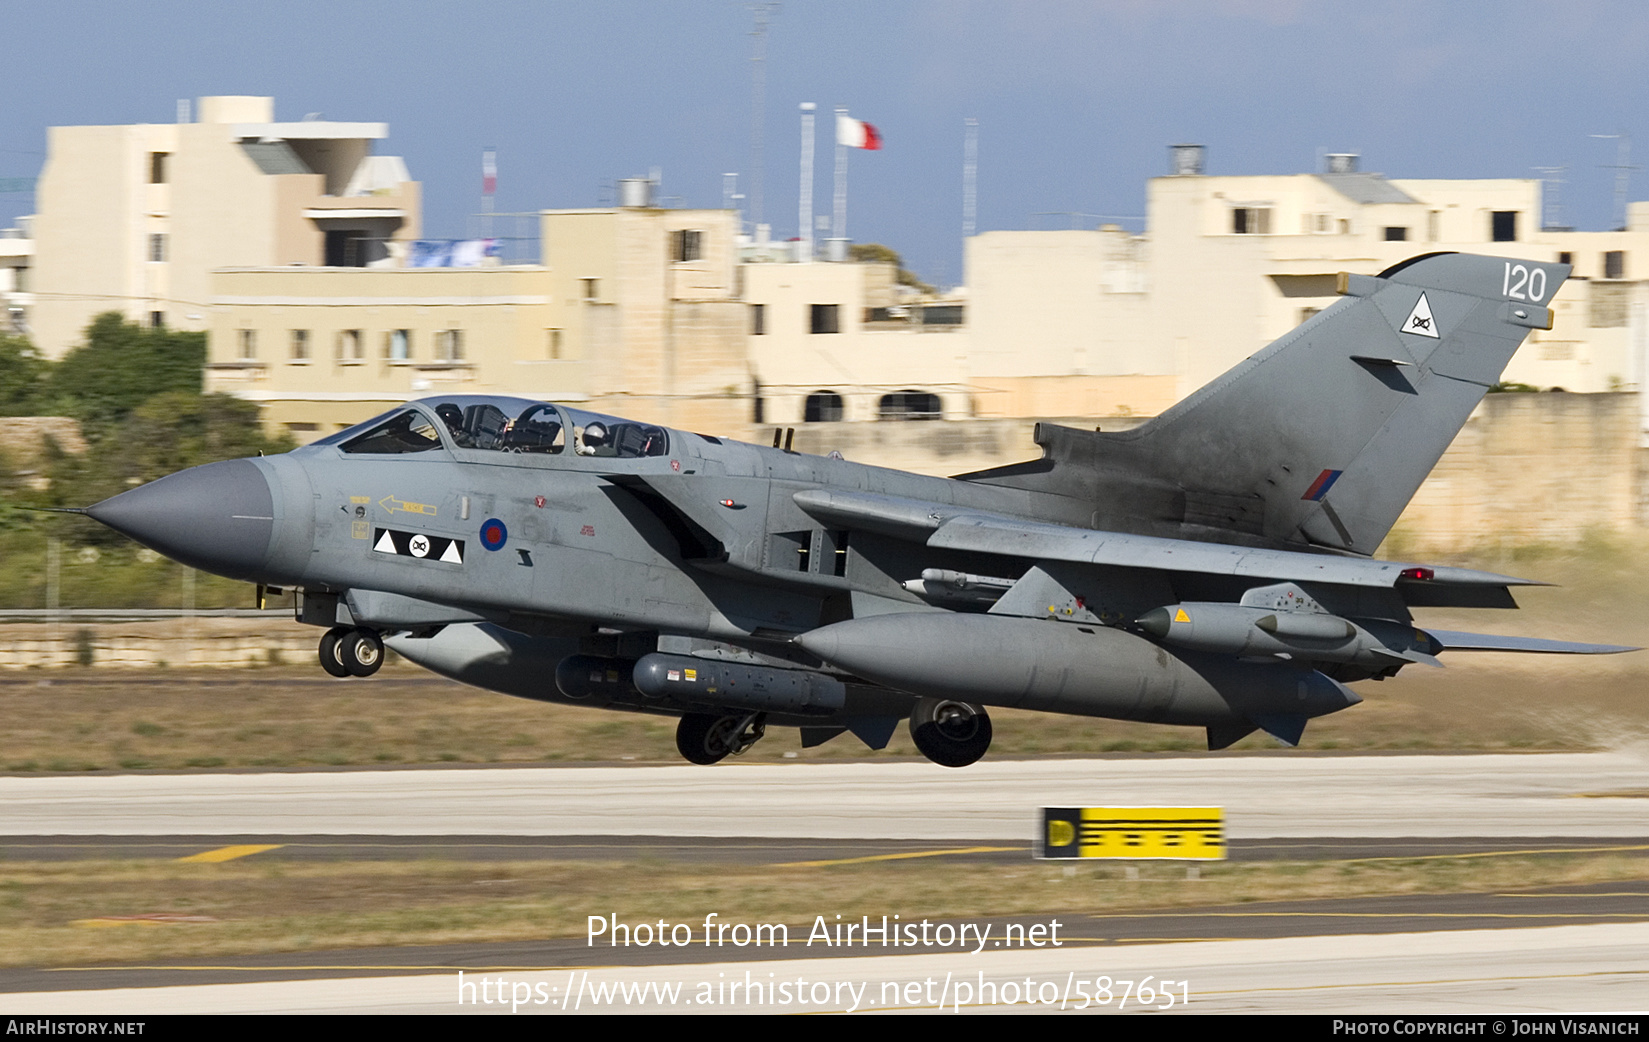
{"x":219,"y":517}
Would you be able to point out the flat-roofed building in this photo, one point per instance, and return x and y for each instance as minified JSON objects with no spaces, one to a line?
{"x":135,"y":218}
{"x":634,"y":310}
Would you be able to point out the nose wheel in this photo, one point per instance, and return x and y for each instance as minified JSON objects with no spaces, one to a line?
{"x":346,"y":652}
{"x":706,"y":739}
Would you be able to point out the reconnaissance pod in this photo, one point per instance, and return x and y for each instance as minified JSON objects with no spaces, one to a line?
{"x":1210,"y":568}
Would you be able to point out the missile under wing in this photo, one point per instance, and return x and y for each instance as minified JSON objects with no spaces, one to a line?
{"x":1209,"y":568}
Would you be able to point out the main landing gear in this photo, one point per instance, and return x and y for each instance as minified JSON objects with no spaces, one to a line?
{"x":705,"y":738}
{"x":951,"y":734}
{"x":349,"y":652}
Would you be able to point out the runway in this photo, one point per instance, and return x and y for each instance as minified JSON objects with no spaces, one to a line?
{"x":1562,"y":949}
{"x":1596,"y":795}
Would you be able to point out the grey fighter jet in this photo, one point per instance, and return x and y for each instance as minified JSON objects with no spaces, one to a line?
{"x":1210,"y":568}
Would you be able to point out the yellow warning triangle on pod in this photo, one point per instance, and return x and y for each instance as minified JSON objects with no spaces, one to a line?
{"x":1180,"y":616}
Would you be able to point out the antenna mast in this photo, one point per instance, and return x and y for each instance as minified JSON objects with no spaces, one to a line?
{"x":758,"y":104}
{"x":1623,"y":170}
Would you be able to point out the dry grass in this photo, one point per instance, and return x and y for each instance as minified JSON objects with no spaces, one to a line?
{"x":287,"y":906}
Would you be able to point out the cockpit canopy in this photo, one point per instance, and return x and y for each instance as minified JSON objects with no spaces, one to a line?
{"x":499,"y":424}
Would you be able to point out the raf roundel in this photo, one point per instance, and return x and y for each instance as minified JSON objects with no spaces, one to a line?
{"x":493,"y":534}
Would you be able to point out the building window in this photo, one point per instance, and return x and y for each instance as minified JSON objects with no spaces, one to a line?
{"x":553,"y":338}
{"x":822,"y":407}
{"x":1565,"y":257}
{"x":592,"y":289}
{"x":248,"y":344}
{"x":942,"y":315}
{"x":350,"y":346}
{"x":825,"y":318}
{"x":157,"y":167}
{"x":398,"y":345}
{"x":157,"y":320}
{"x":758,"y":320}
{"x":1396,"y":234}
{"x":1614,"y":264}
{"x":345,"y":249}
{"x":449,"y":345}
{"x":1503,"y":226}
{"x":1251,"y":220}
{"x":909,"y":405}
{"x":688,"y":246}
{"x":300,"y":345}
{"x":157,"y":246}
{"x":1307,"y":313}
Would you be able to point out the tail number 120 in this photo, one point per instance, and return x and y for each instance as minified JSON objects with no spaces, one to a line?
{"x":1522,"y":283}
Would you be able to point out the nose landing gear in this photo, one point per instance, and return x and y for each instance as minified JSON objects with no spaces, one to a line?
{"x":346,"y":652}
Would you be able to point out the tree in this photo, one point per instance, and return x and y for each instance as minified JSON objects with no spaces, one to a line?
{"x":875,"y":251}
{"x":22,"y":376}
{"x":121,"y":365}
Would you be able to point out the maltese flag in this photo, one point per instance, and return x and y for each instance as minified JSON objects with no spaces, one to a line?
{"x":856,"y":133}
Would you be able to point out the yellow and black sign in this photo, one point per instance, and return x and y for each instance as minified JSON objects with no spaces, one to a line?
{"x":1185,"y":833}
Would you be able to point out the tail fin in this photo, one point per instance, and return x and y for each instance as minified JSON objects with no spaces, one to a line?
{"x":1324,"y":436}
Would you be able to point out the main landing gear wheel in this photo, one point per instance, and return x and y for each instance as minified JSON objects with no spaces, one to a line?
{"x":705,"y":739}
{"x":351,"y":653}
{"x":361,"y":652}
{"x":951,"y":734}
{"x":330,"y":661}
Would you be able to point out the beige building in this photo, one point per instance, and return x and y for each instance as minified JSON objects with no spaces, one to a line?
{"x":1235,"y":262}
{"x":16,"y":263}
{"x":838,"y":342}
{"x":635,"y":310}
{"x":136,"y":218}
{"x":667,"y":315}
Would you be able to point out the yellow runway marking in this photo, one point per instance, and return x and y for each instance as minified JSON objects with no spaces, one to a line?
{"x":230,"y":853}
{"x":1493,"y":853}
{"x":895,"y":857}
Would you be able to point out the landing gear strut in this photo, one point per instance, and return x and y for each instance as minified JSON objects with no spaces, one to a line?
{"x":705,"y":738}
{"x":951,"y":734}
{"x":346,"y":652}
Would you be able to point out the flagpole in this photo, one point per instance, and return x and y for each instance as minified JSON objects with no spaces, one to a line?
{"x":839,"y":222}
{"x":489,"y":185}
{"x":804,"y":209}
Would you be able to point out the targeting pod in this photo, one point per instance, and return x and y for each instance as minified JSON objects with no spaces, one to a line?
{"x":712,"y":682}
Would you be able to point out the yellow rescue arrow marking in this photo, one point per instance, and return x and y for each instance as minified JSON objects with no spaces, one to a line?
{"x":393,"y":505}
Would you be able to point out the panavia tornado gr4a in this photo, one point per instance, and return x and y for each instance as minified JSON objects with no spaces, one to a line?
{"x":1209,"y":568}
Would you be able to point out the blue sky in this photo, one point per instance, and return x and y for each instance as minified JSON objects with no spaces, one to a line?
{"x":1076,"y":101}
